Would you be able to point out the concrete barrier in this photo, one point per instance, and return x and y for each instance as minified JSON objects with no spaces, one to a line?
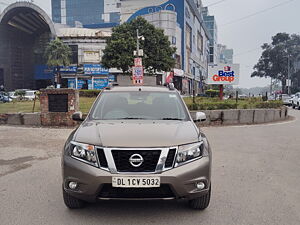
{"x":244,"y":116}
{"x":230,"y":117}
{"x":277,"y":114}
{"x":214,"y":117}
{"x":259,"y":116}
{"x":32,"y":119}
{"x":15,"y":119}
{"x":269,"y":116}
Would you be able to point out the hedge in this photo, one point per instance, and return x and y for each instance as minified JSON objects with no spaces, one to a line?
{"x":233,"y":105}
{"x":89,"y":93}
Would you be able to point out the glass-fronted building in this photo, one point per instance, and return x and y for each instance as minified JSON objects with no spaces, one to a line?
{"x":92,"y":12}
{"x":210,"y":23}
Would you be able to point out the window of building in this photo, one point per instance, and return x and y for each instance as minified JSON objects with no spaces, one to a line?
{"x":173,"y":40}
{"x":189,"y":41}
{"x":200,"y":42}
{"x":74,"y":49}
{"x":211,"y":58}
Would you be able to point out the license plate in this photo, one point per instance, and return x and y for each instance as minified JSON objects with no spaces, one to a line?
{"x":136,"y":182}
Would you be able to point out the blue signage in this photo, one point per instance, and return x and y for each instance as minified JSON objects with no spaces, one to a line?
{"x":111,"y":78}
{"x":43,"y":72}
{"x":68,"y":69}
{"x":95,"y":69}
{"x":100,"y":83}
{"x":72,"y":83}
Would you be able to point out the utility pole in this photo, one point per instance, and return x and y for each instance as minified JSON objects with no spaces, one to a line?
{"x":289,"y":77}
{"x":137,"y":42}
{"x":137,"y":69}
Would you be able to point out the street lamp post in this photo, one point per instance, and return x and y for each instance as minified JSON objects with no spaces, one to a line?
{"x":289,"y":76}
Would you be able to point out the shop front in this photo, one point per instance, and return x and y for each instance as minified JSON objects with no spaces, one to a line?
{"x":89,"y":77}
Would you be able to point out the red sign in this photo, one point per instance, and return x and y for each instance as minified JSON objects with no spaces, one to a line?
{"x":138,"y":75}
{"x":138,"y":62}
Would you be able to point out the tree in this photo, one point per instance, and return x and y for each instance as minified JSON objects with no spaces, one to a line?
{"x":58,"y":54}
{"x":158,"y":53}
{"x":277,"y":58}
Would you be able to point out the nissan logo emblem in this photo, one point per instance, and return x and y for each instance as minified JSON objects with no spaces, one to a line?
{"x":136,"y":160}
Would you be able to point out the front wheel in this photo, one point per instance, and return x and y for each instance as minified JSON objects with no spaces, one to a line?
{"x":71,"y":202}
{"x":202,"y":202}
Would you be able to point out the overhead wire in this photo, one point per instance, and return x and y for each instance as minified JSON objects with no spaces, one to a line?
{"x":257,"y":13}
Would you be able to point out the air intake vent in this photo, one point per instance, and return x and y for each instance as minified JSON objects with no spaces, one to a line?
{"x":170,"y":158}
{"x":102,"y":158}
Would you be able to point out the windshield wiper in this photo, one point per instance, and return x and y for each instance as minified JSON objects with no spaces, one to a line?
{"x":171,"y":119}
{"x":131,"y":118}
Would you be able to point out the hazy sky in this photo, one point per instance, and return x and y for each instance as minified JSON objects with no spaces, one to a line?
{"x":244,"y":36}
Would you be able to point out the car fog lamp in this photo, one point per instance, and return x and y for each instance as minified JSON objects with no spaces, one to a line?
{"x":200,"y":185}
{"x":73,"y":185}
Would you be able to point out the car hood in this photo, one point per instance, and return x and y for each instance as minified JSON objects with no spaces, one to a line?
{"x":136,"y":133}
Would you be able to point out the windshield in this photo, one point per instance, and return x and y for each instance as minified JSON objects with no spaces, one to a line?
{"x":140,"y":106}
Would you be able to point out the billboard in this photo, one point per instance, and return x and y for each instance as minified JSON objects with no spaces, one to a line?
{"x":91,"y":56}
{"x":223,"y":74}
{"x":100,"y":83}
{"x":68,"y":69}
{"x":95,"y":69}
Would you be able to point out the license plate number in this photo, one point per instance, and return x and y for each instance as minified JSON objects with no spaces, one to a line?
{"x":136,"y":182}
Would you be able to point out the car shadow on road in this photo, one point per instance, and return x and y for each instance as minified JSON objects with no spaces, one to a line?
{"x":137,"y":212}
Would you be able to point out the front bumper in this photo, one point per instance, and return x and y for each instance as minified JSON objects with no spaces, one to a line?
{"x":92,"y":180}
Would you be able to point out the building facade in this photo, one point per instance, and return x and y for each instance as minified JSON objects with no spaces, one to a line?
{"x":81,"y":12}
{"x":182,"y":22}
{"x":211,"y":24}
{"x":225,"y":55}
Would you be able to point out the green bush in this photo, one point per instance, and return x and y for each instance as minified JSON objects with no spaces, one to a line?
{"x":89,"y":93}
{"x":212,"y":93}
{"x":269,"y":105}
{"x":214,"y":104}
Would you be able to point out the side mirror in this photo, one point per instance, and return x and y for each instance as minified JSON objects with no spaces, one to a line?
{"x":200,"y":117}
{"x":77,"y":116}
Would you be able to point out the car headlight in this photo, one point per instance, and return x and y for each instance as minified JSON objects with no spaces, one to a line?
{"x":84,"y":152}
{"x":191,"y":152}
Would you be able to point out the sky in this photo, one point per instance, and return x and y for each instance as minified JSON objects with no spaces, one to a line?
{"x":247,"y":35}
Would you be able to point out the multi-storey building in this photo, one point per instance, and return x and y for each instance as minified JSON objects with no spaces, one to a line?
{"x":182,"y":21}
{"x":93,"y":12}
{"x":211,"y":25}
{"x":225,"y":55}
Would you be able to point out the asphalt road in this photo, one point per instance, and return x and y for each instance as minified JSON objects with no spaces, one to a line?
{"x":256,"y":180}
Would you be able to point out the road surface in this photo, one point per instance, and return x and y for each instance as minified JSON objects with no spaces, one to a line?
{"x":256,"y":180}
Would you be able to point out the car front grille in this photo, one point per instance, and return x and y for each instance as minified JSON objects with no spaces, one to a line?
{"x":164,"y":191}
{"x":150,"y":157}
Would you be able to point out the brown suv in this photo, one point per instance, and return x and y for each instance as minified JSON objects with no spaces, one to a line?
{"x":137,"y":143}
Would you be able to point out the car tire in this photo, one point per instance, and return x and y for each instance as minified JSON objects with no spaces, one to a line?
{"x":202,"y":202}
{"x":71,"y":202}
